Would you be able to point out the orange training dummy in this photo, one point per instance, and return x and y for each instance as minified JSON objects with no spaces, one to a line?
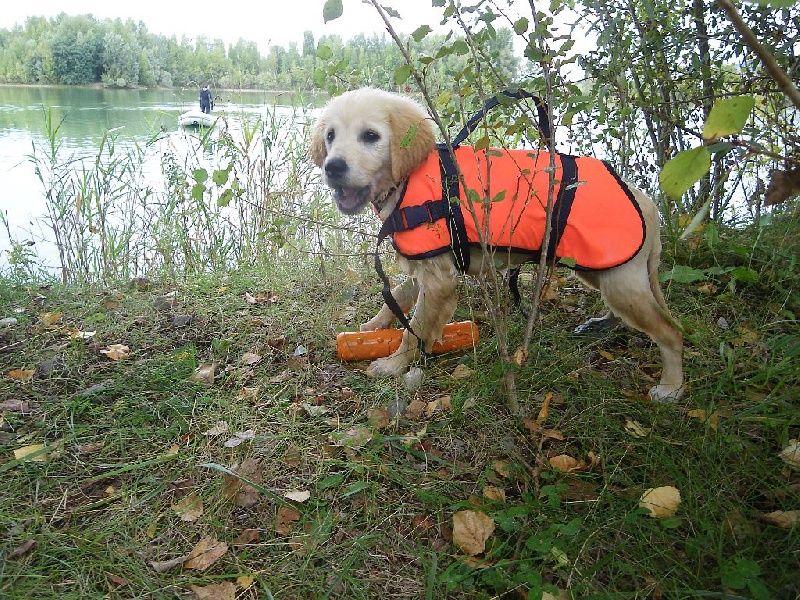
{"x":368,"y":345}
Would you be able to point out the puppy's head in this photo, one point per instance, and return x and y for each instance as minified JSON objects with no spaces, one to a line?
{"x":368,"y":141}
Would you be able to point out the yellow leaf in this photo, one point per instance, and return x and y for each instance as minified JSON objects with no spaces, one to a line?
{"x":544,"y":412}
{"x":661,"y":501}
{"x":23,"y":375}
{"x":27,"y":451}
{"x":50,"y":318}
{"x":703,"y":416}
{"x":502,"y":468}
{"x":471,"y":529}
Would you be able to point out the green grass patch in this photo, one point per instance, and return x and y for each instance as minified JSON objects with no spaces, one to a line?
{"x":127,"y":444}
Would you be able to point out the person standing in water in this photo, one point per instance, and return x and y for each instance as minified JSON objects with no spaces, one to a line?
{"x":205,"y":99}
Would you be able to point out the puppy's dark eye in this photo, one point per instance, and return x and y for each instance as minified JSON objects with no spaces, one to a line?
{"x":370,"y":137}
{"x":330,"y":136}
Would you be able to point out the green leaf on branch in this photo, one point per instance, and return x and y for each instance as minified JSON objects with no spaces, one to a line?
{"x":775,"y":3}
{"x":332,"y":10}
{"x":401,"y":74}
{"x":683,"y":171}
{"x":324,"y":52}
{"x":420,"y":33}
{"x":728,"y":116}
{"x":521,"y":26}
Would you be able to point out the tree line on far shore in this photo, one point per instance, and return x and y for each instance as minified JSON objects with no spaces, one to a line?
{"x":81,"y":50}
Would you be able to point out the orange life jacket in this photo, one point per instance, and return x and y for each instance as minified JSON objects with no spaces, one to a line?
{"x":596,"y":224}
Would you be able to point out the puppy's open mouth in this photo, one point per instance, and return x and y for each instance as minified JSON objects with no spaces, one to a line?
{"x":351,"y":200}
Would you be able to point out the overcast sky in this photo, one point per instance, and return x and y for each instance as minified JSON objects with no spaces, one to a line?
{"x":267,"y":22}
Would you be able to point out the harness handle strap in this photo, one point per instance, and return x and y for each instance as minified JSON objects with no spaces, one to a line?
{"x":387,"y":229}
{"x":541,"y":108}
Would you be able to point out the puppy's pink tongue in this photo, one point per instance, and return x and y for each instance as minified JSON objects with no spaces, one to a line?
{"x":349,"y":198}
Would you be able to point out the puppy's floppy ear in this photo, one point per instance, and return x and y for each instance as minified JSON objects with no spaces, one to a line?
{"x":318,"y":149}
{"x":413,"y":138}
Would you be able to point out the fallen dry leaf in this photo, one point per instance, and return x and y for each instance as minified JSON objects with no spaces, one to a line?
{"x":415,"y":409}
{"x":115,"y":580}
{"x":218,"y":429}
{"x":189,"y":508}
{"x":116,"y":351}
{"x":378,"y":418}
{"x":207,"y":551}
{"x":251,"y":358}
{"x":241,"y":493}
{"x":494,"y":493}
{"x":502,"y":468}
{"x":471,"y":529}
{"x":245,"y":581}
{"x":703,"y":416}
{"x":50,"y":318}
{"x":286,"y":519}
{"x":791,"y":454}
{"x":239,"y":437}
{"x":205,"y":373}
{"x":23,"y":375}
{"x":247,"y":536}
{"x":34,"y":452}
{"x":661,"y":501}
{"x":216,"y":591}
{"x":22,"y":549}
{"x":566,"y":463}
{"x":520,"y":356}
{"x":461,"y":372}
{"x":298,"y":496}
{"x":785,"y":519}
{"x":635,"y":429}
{"x":355,"y":437}
{"x":544,"y":411}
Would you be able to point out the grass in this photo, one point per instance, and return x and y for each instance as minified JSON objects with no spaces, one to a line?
{"x":127,"y":440}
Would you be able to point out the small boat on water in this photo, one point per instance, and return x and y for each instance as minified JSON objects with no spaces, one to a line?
{"x":197,"y":118}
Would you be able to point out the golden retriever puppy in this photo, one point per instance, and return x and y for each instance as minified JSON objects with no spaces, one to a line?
{"x":368,"y":143}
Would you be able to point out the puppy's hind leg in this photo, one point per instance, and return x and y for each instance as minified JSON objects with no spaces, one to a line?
{"x":627,"y":292}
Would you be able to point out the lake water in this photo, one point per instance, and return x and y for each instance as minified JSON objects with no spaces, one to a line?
{"x":86,"y":115}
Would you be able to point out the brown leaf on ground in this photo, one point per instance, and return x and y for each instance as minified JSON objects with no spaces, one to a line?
{"x":23,"y":375}
{"x":33,"y":452}
{"x":22,"y":549}
{"x":189,"y":508}
{"x":216,"y":591}
{"x":566,"y":463}
{"x":207,"y":551}
{"x":415,"y":410}
{"x":247,"y":536}
{"x":494,"y":493}
{"x":116,"y":351}
{"x":205,"y":373}
{"x":461,"y":372}
{"x":378,"y":418}
{"x":785,"y":519}
{"x":50,"y":318}
{"x":115,"y":581}
{"x":636,"y":429}
{"x":242,"y":494}
{"x":791,"y":454}
{"x":544,"y":411}
{"x":471,"y":529}
{"x":218,"y":429}
{"x":703,"y":416}
{"x":286,"y":519}
{"x":355,"y":437}
{"x":502,"y":468}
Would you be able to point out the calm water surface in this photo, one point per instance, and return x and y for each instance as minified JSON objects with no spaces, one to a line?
{"x":86,"y":114}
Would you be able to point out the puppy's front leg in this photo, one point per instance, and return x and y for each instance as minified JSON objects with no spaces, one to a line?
{"x":436,"y":303}
{"x":406,"y":295}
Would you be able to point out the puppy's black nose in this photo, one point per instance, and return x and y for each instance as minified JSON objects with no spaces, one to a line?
{"x":335,"y":168}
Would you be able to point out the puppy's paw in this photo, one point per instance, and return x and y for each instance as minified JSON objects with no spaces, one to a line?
{"x":391,"y":365}
{"x":376,"y":322}
{"x":666,"y":394}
